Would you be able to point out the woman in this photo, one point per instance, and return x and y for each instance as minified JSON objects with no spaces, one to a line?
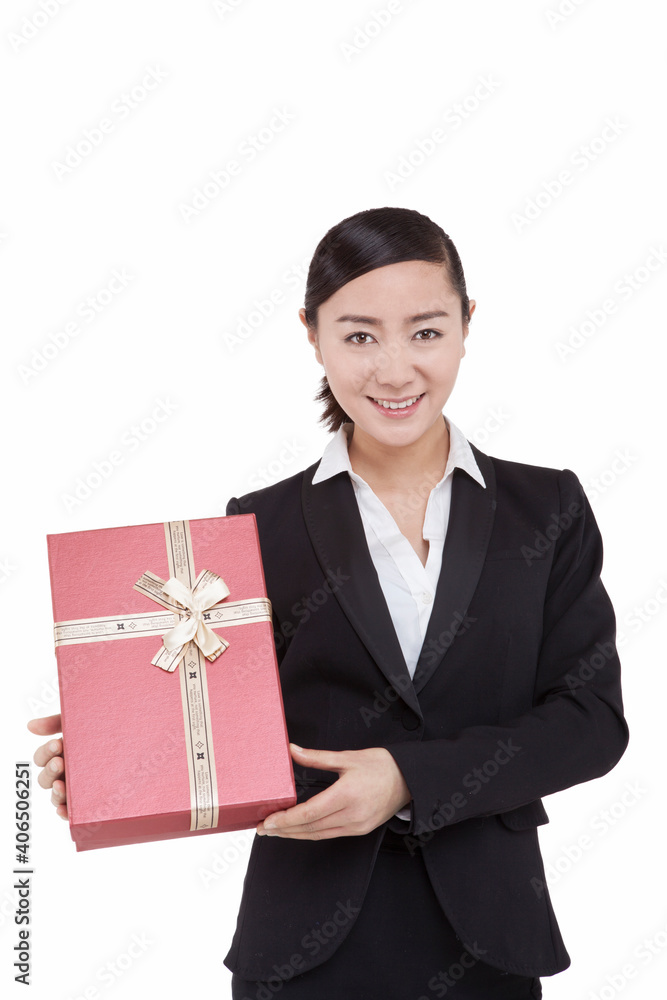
{"x":446,"y":652}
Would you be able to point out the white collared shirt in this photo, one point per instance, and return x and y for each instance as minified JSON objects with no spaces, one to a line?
{"x":408,"y":586}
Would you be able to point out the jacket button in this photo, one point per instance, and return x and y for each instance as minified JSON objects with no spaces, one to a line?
{"x":409,"y":719}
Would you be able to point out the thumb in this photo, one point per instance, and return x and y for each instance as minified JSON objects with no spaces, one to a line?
{"x":45,"y":726}
{"x":326,"y":760}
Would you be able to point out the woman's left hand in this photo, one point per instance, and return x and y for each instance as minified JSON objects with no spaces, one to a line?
{"x":370,"y":789}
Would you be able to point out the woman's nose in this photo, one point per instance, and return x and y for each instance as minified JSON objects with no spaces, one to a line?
{"x":394,"y":367}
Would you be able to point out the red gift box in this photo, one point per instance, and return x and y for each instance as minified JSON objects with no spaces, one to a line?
{"x":193,"y":746}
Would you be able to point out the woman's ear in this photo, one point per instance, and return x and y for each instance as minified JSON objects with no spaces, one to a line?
{"x":471,"y":309}
{"x":312,"y":335}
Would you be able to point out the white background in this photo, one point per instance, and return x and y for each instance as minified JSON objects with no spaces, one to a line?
{"x":360,"y":99}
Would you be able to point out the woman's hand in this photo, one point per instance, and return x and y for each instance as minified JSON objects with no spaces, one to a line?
{"x":370,"y":789}
{"x":49,"y":758}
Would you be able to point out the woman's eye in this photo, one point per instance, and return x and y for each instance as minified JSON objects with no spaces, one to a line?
{"x":436,"y":334}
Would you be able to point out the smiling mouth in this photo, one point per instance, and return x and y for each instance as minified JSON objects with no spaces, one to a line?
{"x":396,"y":406}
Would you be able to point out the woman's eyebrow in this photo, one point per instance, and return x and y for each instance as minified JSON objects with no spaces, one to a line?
{"x":372,"y":321}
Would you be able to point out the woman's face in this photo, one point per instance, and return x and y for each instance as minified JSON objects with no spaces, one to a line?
{"x":392,"y":334}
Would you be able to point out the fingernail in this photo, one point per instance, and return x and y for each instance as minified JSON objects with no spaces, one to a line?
{"x":270,"y":825}
{"x":260,"y":833}
{"x":53,"y":746}
{"x":53,"y":766}
{"x":296,"y":747}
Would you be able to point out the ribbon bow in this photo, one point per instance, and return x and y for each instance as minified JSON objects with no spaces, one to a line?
{"x":191,"y":606}
{"x":192,"y":627}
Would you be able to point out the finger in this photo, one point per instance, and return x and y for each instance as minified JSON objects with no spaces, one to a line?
{"x":337,"y":831}
{"x":43,"y":754}
{"x":62,"y":811}
{"x":303,"y":816}
{"x":46,"y":726}
{"x":334,"y":820}
{"x":58,"y":792}
{"x":325,"y":760}
{"x":54,"y":769}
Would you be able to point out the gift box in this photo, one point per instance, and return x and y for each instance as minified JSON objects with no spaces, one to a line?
{"x":172,"y":712}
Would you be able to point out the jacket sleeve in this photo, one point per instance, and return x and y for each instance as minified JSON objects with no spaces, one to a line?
{"x":575,"y":730}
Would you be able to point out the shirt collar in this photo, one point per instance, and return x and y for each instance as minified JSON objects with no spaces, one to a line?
{"x":335,"y":457}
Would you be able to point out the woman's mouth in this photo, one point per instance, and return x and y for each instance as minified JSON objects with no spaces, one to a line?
{"x":397,"y":410}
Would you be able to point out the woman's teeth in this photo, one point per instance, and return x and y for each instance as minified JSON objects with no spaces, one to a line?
{"x":396,"y":406}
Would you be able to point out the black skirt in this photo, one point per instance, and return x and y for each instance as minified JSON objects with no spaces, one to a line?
{"x":400,"y":947}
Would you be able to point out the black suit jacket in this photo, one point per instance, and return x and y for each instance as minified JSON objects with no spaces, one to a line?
{"x":516,"y":695}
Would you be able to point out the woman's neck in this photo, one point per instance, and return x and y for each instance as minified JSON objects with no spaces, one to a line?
{"x":385,"y":467}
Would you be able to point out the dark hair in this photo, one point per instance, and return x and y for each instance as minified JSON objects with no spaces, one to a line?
{"x":374,"y":238}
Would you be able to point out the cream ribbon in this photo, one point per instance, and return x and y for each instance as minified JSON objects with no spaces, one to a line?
{"x":192,"y":607}
{"x":192,"y":627}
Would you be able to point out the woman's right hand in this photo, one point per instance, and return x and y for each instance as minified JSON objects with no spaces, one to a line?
{"x":49,"y":758}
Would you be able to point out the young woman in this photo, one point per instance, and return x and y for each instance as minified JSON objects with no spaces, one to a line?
{"x":447,"y":657}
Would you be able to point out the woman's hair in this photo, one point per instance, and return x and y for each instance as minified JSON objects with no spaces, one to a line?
{"x":374,"y":238}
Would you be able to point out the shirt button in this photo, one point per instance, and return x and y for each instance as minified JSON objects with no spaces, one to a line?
{"x":426,"y":597}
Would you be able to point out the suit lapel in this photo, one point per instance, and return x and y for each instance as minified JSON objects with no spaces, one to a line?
{"x":336,"y":530}
{"x":334,"y":524}
{"x":468,"y":532}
